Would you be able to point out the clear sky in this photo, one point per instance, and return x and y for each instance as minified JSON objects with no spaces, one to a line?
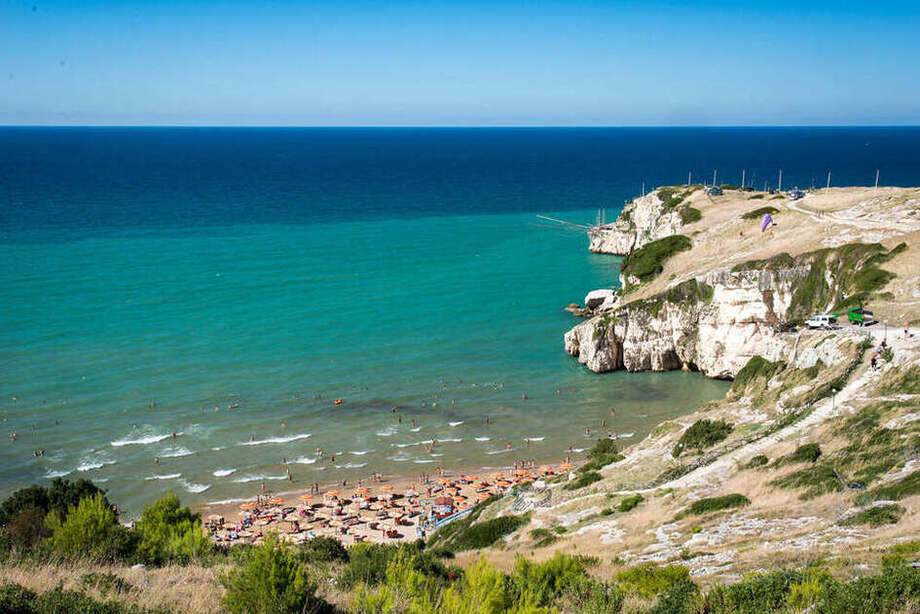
{"x":767,"y":62}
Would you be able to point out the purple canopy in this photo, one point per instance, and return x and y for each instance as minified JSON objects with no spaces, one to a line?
{"x":767,"y":220}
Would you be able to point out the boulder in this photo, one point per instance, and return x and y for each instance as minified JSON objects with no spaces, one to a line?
{"x":596,"y":298}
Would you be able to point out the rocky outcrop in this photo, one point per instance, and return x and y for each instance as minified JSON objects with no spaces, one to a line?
{"x":642,"y":221}
{"x":714,"y":324}
{"x":605,"y":298}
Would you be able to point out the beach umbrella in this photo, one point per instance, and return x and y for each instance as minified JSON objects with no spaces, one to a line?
{"x":444,"y":480}
{"x":441,"y":501}
{"x":459,"y":499}
{"x":472,"y":478}
{"x":497,"y":475}
{"x":276,"y":500}
{"x":483,"y":496}
{"x":387,"y":487}
{"x":411,"y":493}
{"x":215,"y":518}
{"x":361,"y":491}
{"x":566,"y":466}
{"x":546,"y":469}
{"x":521,"y":472}
{"x":332,"y":493}
{"x":248,"y":505}
{"x":305,"y":497}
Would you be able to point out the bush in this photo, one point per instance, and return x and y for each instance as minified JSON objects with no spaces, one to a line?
{"x":895,"y":491}
{"x":892,"y":590}
{"x":543,"y":537}
{"x":757,"y":461}
{"x":689,"y":214}
{"x":756,"y":594}
{"x":60,"y":497}
{"x":875,"y":516}
{"x":16,"y":599}
{"x":367,"y":564}
{"x":649,"y":580}
{"x":715,"y":504}
{"x":325,"y":549}
{"x":105,"y":583}
{"x":484,"y":534}
{"x":702,"y":434}
{"x":756,"y":214}
{"x":808,"y":453}
{"x":27,"y":529}
{"x":87,"y":531}
{"x":681,"y":598}
{"x":542,"y":582}
{"x":648,"y":261}
{"x":272,"y":581}
{"x":169,"y":533}
{"x":756,"y":367}
{"x":601,"y":454}
{"x":629,"y":503}
{"x":586,"y":479}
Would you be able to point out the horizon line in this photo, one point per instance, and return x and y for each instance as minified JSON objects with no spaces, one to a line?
{"x":455,"y":127}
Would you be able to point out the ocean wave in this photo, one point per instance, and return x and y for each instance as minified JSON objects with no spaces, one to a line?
{"x":422,"y":461}
{"x":175,"y":452}
{"x":259,"y":442}
{"x":222,"y":473}
{"x":259,"y":478}
{"x":89,"y":465}
{"x":407,"y":445}
{"x":437,"y":455}
{"x":500,"y":451}
{"x":142,"y":441}
{"x":218,"y":448}
{"x":304,"y":460}
{"x":458,"y":423}
{"x":483,"y":438}
{"x":450,"y":440}
{"x":56,"y":474}
{"x":398,"y":459}
{"x":352,"y":465}
{"x":387,"y":433}
{"x":360,"y":452}
{"x":194,"y":488}
{"x":534,"y":438}
{"x":171,"y":476}
{"x":228,"y":501}
{"x":416,"y":429}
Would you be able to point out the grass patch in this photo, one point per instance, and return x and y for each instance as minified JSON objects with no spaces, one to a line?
{"x":808,"y":453}
{"x":756,"y":368}
{"x":647,"y":262}
{"x":875,"y":516}
{"x":757,"y":461}
{"x":715,"y":504}
{"x":756,"y":197}
{"x":600,"y":455}
{"x":585,"y":479}
{"x":543,"y":537}
{"x":815,"y":481}
{"x":701,"y":435}
{"x":689,"y":214}
{"x":895,"y":491}
{"x":629,"y":503}
{"x":901,"y":381}
{"x":687,"y":292}
{"x":758,"y":213}
{"x":649,"y":580}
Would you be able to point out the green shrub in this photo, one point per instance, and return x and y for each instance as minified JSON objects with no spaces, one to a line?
{"x":542,"y":582}
{"x":324,"y":549}
{"x":756,"y":594}
{"x":543,"y":537}
{"x":601,"y":454}
{"x":272,"y":581}
{"x":817,"y":480}
{"x":586,"y":479}
{"x":105,"y":583}
{"x":715,"y":504}
{"x":59,"y":497}
{"x":648,"y":261}
{"x":649,"y":580}
{"x":27,"y":529}
{"x":701,"y":435}
{"x":893,"y":590}
{"x":484,"y":534}
{"x":808,"y":453}
{"x":16,"y":599}
{"x":629,"y":503}
{"x":682,"y":598}
{"x":757,"y":461}
{"x":87,"y":530}
{"x":367,"y":564}
{"x":756,"y":214}
{"x":756,"y":367}
{"x":689,"y":214}
{"x":170,"y":533}
{"x":875,"y":516}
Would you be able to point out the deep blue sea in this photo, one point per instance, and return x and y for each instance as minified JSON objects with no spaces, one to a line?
{"x":229,"y":284}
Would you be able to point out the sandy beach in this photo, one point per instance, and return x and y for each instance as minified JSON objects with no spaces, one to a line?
{"x":381,"y":509}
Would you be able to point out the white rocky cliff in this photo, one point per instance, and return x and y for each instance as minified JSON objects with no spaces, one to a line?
{"x":642,"y":221}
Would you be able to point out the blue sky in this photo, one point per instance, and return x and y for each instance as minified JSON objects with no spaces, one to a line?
{"x":459,"y":63}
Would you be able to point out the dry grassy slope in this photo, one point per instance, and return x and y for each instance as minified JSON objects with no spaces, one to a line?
{"x":826,"y":218}
{"x":780,"y":527}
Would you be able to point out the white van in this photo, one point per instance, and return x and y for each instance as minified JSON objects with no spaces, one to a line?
{"x":822,"y":321}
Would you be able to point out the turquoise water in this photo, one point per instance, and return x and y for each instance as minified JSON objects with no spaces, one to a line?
{"x":151,"y":276}
{"x":269,"y":324}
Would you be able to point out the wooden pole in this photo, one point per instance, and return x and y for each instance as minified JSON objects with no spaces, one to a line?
{"x":743,"y":173}
{"x":689,"y":177}
{"x":876,"y":180}
{"x":828,"y":180}
{"x":780,"y":188}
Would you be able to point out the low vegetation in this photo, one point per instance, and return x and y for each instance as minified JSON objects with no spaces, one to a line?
{"x":756,"y":370}
{"x":701,"y":435}
{"x":715,"y":504}
{"x":647,"y":262}
{"x":875,"y":516}
{"x":629,"y":503}
{"x":758,"y":213}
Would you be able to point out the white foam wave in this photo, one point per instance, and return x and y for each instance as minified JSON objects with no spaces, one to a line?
{"x":458,"y":423}
{"x":142,"y":441}
{"x":534,"y":438}
{"x":305,"y":460}
{"x":259,"y":478}
{"x":437,"y":455}
{"x":500,"y":451}
{"x":228,"y":501}
{"x":449,"y":440}
{"x":416,"y":429}
{"x":387,"y":432}
{"x":405,"y":445}
{"x":483,"y":439}
{"x":176,"y":452}
{"x":219,"y":448}
{"x":56,"y":474}
{"x":194,"y":488}
{"x":360,"y":452}
{"x":398,"y":459}
{"x":171,"y":476}
{"x":89,"y":465}
{"x":222,"y":473}
{"x":259,"y":442}
{"x":352,"y":465}
{"x":422,"y":461}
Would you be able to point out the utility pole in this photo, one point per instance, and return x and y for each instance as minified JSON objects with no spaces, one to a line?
{"x":743,"y":172}
{"x":780,"y":188}
{"x":828,"y":180}
{"x":689,"y":177}
{"x":643,"y":188}
{"x":876,"y":180}
{"x":714,"y":177}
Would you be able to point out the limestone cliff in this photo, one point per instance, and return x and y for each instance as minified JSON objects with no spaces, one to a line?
{"x":653,"y":216}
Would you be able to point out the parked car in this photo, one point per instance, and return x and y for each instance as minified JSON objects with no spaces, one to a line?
{"x":860,"y":316}
{"x":828,"y":320}
{"x":796,"y":194}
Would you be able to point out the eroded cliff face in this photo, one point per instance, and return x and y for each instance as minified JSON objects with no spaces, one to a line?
{"x":714,"y":324}
{"x":642,"y":221}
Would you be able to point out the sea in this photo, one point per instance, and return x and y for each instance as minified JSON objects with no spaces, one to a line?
{"x":284,"y":307}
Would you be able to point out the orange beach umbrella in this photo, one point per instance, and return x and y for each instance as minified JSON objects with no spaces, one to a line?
{"x":305,"y":497}
{"x":387,"y":487}
{"x":276,"y":500}
{"x":332,"y":493}
{"x":248,"y":505}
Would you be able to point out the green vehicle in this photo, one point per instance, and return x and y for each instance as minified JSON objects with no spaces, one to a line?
{"x":860,"y":316}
